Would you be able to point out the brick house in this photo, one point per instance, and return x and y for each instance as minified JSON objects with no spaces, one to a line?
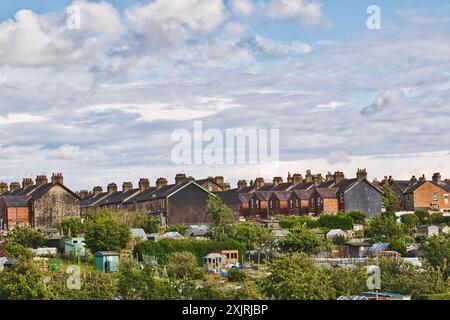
{"x":326,"y":200}
{"x":14,"y":210}
{"x":306,"y":201}
{"x":428,"y":195}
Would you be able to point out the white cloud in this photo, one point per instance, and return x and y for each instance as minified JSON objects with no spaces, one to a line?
{"x":14,"y":118}
{"x":388,"y":99}
{"x":308,"y":12}
{"x":242,"y":7}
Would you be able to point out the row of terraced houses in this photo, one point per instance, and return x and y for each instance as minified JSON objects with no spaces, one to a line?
{"x":42,"y":203}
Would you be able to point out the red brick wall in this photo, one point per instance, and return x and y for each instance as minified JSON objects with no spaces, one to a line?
{"x":423,"y":198}
{"x":18,"y":216}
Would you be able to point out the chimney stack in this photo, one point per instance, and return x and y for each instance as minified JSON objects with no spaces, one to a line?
{"x":242,"y":184}
{"x":329,"y":176}
{"x":57,"y":178}
{"x":413,"y":179}
{"x":289,"y":178}
{"x":112,"y":188}
{"x":309,"y":177}
{"x":338,"y":177}
{"x":361,"y":174}
{"x":422,"y":178}
{"x":259,"y":182}
{"x":3,"y":187}
{"x":219,"y":180}
{"x":83,"y":194}
{"x":127,"y":186}
{"x":180,"y":178}
{"x":277,"y":180}
{"x":41,"y":180}
{"x":26,"y":182}
{"x":97,"y":190}
{"x":161,"y":183}
{"x":318,"y":178}
{"x":190,"y":178}
{"x":144,"y":184}
{"x":297,"y":178}
{"x":437,"y":178}
{"x":14,"y":186}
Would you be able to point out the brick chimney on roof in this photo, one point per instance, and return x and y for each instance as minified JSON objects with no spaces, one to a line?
{"x":3,"y":187}
{"x":57,"y":178}
{"x":26,"y":182}
{"x":277,"y":180}
{"x":219,"y":180}
{"x":127,"y":186}
{"x":338,"y":177}
{"x":259,"y":182}
{"x":329,"y":176}
{"x":297,"y":178}
{"x":309,"y":177}
{"x":161,"y":183}
{"x":437,"y":178}
{"x":14,"y":186}
{"x":112,"y":188}
{"x":83,"y":194}
{"x":318,"y":178}
{"x":413,"y":180}
{"x":97,"y":190}
{"x":289,"y":178}
{"x":361,"y":174}
{"x":41,"y":180}
{"x":144,"y":184}
{"x":422,"y":178}
{"x":180,"y":178}
{"x":242,"y":184}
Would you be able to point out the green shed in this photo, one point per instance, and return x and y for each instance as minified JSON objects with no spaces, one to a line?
{"x":107,"y":261}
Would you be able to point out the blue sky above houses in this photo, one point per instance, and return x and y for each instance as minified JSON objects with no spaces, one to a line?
{"x":101,"y":102}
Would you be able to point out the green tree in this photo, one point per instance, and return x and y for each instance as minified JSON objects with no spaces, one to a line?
{"x":292,"y":222}
{"x":252,"y":235}
{"x":136,"y":284}
{"x":389,"y":198}
{"x":401,"y":277}
{"x":339,"y":239}
{"x":105,"y":232}
{"x":383,"y":227}
{"x":70,"y":226}
{"x":151,"y":224}
{"x":297,"y":278}
{"x":338,"y":221}
{"x":437,"y":253}
{"x":222,"y":226}
{"x":423,"y":216}
{"x":410,"y":220}
{"x":358,"y":217}
{"x":236,"y":275}
{"x":23,"y":281}
{"x":346,"y":281}
{"x":301,"y":240}
{"x":17,"y":251}
{"x":183,"y":265}
{"x":27,"y":237}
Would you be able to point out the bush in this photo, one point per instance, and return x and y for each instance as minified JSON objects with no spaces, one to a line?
{"x":302,"y":240}
{"x":410,"y":220}
{"x":70,"y":226}
{"x":27,"y":237}
{"x":182,"y":265}
{"x":442,"y":296}
{"x":357,"y":217}
{"x":292,"y":222}
{"x":423,"y":216}
{"x":17,"y":251}
{"x":163,"y":248}
{"x":236,"y":275}
{"x":338,"y":221}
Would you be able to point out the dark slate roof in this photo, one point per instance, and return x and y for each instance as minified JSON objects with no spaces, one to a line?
{"x":244,"y":197}
{"x":15,"y":201}
{"x":230,"y":197}
{"x":163,"y":192}
{"x":263,"y":195}
{"x":266,"y":187}
{"x":327,"y":192}
{"x":283,"y":195}
{"x":345,"y":184}
{"x":283,"y":186}
{"x":402,"y":185}
{"x":303,"y":186}
{"x":247,"y":189}
{"x":142,"y":196}
{"x":86,"y":202}
{"x":118,"y":197}
{"x":325,"y":184}
{"x":21,"y":191}
{"x":413,"y":187}
{"x":304,"y":194}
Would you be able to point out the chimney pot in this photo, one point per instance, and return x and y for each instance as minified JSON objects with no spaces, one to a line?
{"x":57,"y":178}
{"x":97,"y":190}
{"x":161,"y":183}
{"x":242,"y":184}
{"x":26,"y":182}
{"x":41,"y":180}
{"x":144,"y":184}
{"x":112,"y":188}
{"x":127,"y":186}
{"x":14,"y":186}
{"x":3,"y":187}
{"x":180,"y":178}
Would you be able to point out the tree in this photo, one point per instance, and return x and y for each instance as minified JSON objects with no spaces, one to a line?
{"x":236,"y":275}
{"x":105,"y":232}
{"x":252,"y":235}
{"x":338,"y":221}
{"x":222,"y":226}
{"x":357,"y":217}
{"x":409,"y":220}
{"x":423,"y":216}
{"x":437,"y":253}
{"x":27,"y":237}
{"x":17,"y":251}
{"x":136,"y":284}
{"x":151,"y":224}
{"x":389,"y":198}
{"x":292,"y":222}
{"x":23,"y":281}
{"x":182,"y":265}
{"x":297,"y":278}
{"x":339,"y":239}
{"x":401,"y":277}
{"x":70,"y":226}
{"x":346,"y":281}
{"x":301,"y":240}
{"x":383,"y":227}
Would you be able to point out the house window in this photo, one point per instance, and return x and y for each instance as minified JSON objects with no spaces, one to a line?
{"x":435,"y":196}
{"x":270,"y":204}
{"x":257,"y":204}
{"x":446,"y":198}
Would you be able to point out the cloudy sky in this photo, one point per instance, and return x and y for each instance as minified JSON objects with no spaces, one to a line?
{"x":100,"y":103}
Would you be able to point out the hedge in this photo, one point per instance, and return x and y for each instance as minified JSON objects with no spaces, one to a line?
{"x":441,"y":296}
{"x":163,"y":248}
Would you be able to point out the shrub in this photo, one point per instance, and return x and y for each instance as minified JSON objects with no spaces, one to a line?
{"x":236,"y":275}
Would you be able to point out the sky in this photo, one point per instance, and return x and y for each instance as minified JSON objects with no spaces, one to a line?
{"x":99,"y":103}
